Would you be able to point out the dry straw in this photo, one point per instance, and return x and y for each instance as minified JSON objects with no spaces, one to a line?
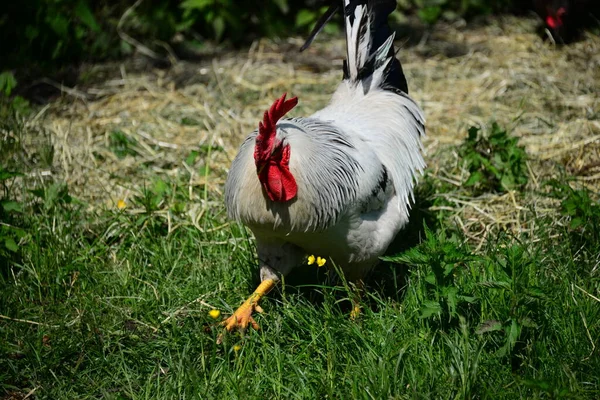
{"x":548,"y":96}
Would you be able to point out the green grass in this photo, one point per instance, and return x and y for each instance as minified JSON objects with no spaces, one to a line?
{"x":114,"y":304}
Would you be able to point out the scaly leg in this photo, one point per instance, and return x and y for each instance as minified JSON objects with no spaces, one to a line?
{"x":356,"y":297}
{"x":243,"y":315}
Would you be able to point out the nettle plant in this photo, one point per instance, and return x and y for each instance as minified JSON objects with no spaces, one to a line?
{"x":10,"y":213}
{"x":444,"y":268}
{"x":10,"y":208}
{"x":512,"y":301}
{"x":495,"y":161}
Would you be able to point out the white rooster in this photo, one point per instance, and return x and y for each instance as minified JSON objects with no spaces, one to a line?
{"x":338,"y":183}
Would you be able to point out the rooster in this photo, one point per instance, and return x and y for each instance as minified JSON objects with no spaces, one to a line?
{"x":337,"y":183}
{"x":565,"y":19}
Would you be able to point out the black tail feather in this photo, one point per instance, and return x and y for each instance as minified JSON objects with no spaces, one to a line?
{"x":323,"y":20}
{"x":379,"y":11}
{"x":381,"y":31}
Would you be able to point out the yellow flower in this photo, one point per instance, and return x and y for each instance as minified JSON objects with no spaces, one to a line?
{"x":121,"y":204}
{"x":311,"y":260}
{"x":214,"y":314}
{"x":321,"y":261}
{"x":237,"y":348}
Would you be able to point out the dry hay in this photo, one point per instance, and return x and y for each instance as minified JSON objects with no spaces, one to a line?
{"x":548,"y":96}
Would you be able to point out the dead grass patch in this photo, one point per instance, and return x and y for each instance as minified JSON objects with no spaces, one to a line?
{"x":547,"y":96}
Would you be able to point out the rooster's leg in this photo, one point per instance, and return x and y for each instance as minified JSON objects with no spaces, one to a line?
{"x":356,"y":300}
{"x":243,"y":315}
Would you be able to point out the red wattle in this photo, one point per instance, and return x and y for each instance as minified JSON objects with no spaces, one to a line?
{"x":278,"y":182}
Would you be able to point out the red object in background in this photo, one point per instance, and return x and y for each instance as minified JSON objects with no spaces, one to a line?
{"x":556,"y":21}
{"x":566,"y":20}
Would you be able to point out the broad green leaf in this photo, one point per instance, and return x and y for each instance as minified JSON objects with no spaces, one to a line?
{"x":10,"y":244}
{"x":59,"y":24}
{"x":191,"y":158}
{"x":468,"y":299}
{"x":160,"y":187}
{"x":7,"y":82}
{"x":430,"y":308}
{"x":4,"y":174}
{"x":305,"y":17}
{"x":83,"y":12}
{"x":11,"y":206}
{"x":576,"y":223}
{"x":475,"y":178}
{"x":430,"y":278}
{"x":473,"y":131}
{"x":430,"y":15}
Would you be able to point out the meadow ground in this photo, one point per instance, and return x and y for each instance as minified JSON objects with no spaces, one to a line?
{"x":114,"y":243}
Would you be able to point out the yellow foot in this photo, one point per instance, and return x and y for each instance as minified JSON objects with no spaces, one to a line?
{"x":242,"y":317}
{"x":355,"y":313}
{"x":356,"y":308}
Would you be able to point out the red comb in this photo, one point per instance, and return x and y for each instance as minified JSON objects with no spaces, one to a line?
{"x":555,"y":21}
{"x":266,"y":128}
{"x":280,"y":107}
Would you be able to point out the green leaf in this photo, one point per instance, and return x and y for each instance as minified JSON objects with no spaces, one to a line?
{"x":304,"y":18}
{"x":83,"y":12}
{"x":450,"y":294}
{"x":191,"y":158}
{"x":55,"y":194}
{"x":160,"y":187}
{"x":473,"y":131}
{"x":204,"y":170}
{"x":468,"y":299}
{"x":430,"y":15}
{"x":430,"y":278}
{"x":10,"y":244}
{"x":122,"y":144}
{"x":576,"y":223}
{"x":7,"y":82}
{"x":528,"y":323}
{"x":283,"y":5}
{"x":21,"y":105}
{"x":512,"y":334}
{"x":430,"y":308}
{"x":59,"y":24}
{"x":11,"y":206}
{"x":507,"y":182}
{"x":219,"y":27}
{"x":451,"y":266}
{"x":475,"y":178}
{"x":5,"y":174}
{"x":196,"y":4}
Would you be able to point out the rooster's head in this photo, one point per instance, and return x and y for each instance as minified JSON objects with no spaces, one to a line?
{"x":272,"y":156}
{"x":554,"y":19}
